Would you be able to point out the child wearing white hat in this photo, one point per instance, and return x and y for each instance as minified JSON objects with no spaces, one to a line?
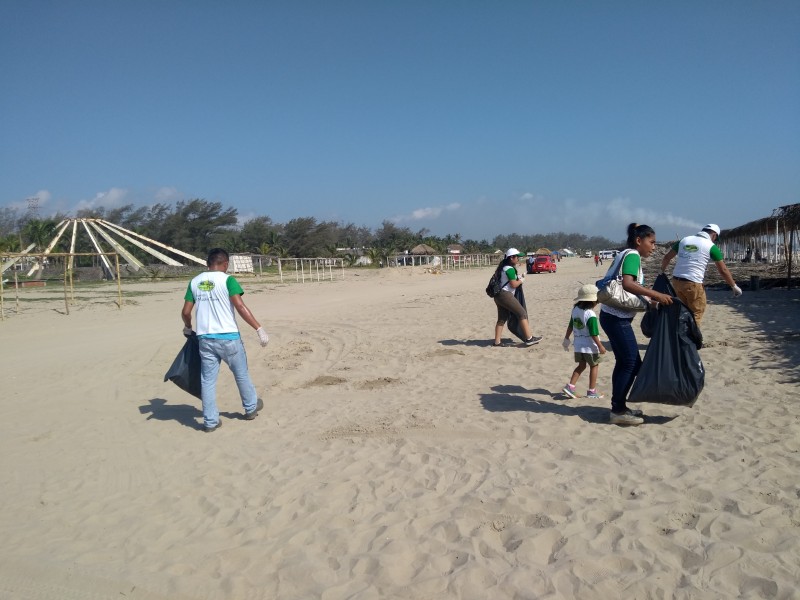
{"x":588,"y":347}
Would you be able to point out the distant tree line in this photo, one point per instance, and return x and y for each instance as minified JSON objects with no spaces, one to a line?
{"x":196,"y":225}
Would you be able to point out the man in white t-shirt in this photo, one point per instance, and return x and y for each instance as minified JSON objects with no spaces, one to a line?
{"x":693,"y":254}
{"x":216,"y":294}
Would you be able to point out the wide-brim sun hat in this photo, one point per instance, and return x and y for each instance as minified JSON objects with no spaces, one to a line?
{"x":587,"y":293}
{"x":712,"y":227}
{"x":513,"y":252}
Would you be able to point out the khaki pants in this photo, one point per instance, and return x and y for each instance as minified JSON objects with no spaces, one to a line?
{"x":693,"y":295}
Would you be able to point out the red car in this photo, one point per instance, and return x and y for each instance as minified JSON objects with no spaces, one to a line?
{"x":543,"y":264}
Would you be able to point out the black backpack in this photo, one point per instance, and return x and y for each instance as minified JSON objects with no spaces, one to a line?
{"x":495,"y":283}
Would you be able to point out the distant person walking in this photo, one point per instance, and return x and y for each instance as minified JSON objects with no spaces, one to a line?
{"x":693,"y":254}
{"x":588,"y":349}
{"x":596,"y":259}
{"x":616,"y":322}
{"x":507,"y":304}
{"x":216,"y":294}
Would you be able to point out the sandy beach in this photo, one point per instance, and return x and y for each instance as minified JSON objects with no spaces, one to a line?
{"x":399,"y":455}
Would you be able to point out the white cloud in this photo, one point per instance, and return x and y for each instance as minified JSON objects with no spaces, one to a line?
{"x":421,"y":214}
{"x":529,"y":213}
{"x":113,"y":198}
{"x":167,"y":194}
{"x":622,"y":210}
{"x":44,"y":197}
{"x":39,"y":199}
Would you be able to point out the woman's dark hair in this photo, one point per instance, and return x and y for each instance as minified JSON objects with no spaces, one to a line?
{"x":638,"y":231}
{"x":585,"y":304}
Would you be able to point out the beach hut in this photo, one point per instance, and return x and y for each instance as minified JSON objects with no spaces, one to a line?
{"x":543,"y":252}
{"x":423,"y":249}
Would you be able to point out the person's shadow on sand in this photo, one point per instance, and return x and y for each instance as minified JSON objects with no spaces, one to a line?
{"x":507,"y":398}
{"x":481,"y":343}
{"x":185,"y":414}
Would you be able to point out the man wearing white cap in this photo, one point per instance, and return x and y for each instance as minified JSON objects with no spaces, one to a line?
{"x":693,"y":254}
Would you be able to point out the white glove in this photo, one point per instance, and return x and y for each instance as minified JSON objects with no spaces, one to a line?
{"x":565,"y":344}
{"x":737,"y":291}
{"x":187,"y":331}
{"x":262,"y":336}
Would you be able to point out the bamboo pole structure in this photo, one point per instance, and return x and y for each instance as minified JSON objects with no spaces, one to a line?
{"x":12,"y":261}
{"x":119,"y":282}
{"x":66,"y":299}
{"x":151,"y":251}
{"x":16,"y":293}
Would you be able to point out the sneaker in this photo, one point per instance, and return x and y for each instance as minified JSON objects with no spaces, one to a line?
{"x":533,"y":340}
{"x":208,"y":429}
{"x":569,"y":390}
{"x":595,"y":394}
{"x":626,"y":418}
{"x":252,"y":415}
{"x":636,"y":413}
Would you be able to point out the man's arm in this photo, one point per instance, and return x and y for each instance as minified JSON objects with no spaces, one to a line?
{"x":186,"y":314}
{"x":725,"y":273}
{"x":667,"y":259}
{"x":244,"y":312}
{"x":248,"y":317}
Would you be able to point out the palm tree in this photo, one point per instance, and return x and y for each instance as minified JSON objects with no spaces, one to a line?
{"x":375,"y":255}
{"x":39,"y":232}
{"x":9,"y":243}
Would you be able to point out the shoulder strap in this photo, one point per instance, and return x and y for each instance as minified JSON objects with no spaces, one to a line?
{"x":621,"y":260}
{"x":614,"y":268}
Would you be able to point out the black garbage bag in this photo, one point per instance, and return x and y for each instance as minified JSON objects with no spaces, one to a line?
{"x":663,"y":285}
{"x":513,"y":322}
{"x":671,"y":372}
{"x":185,"y":369}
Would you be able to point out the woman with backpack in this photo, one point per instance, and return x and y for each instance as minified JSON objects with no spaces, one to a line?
{"x":507,"y":304}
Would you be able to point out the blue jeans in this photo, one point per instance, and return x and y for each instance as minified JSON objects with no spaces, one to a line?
{"x":212,"y":352}
{"x":626,"y":358}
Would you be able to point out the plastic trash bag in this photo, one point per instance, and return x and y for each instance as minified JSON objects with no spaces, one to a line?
{"x":513,"y":322}
{"x":185,"y":369}
{"x":672,"y":371}
{"x":663,"y":285}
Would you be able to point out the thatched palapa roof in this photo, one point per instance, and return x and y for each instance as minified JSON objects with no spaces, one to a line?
{"x":423,"y":249}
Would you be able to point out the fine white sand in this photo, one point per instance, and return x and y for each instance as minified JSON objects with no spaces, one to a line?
{"x":399,"y":455}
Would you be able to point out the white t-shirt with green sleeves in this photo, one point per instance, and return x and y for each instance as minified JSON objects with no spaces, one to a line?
{"x":508,"y":275}
{"x":694,"y":252}
{"x":211,"y":293}
{"x":584,"y":326}
{"x":631,"y":265}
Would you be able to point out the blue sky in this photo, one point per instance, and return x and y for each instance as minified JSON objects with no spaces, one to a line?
{"x":478,"y":118}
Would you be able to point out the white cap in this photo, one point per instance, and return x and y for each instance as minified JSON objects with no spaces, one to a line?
{"x":514,"y":252}
{"x":712,"y":227}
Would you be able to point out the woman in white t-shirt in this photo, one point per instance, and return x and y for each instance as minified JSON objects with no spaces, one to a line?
{"x":616,"y":323}
{"x":507,"y":304}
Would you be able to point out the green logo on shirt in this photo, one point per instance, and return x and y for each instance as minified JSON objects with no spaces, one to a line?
{"x":206,"y":286}
{"x":577,"y":323}
{"x":691,"y":248}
